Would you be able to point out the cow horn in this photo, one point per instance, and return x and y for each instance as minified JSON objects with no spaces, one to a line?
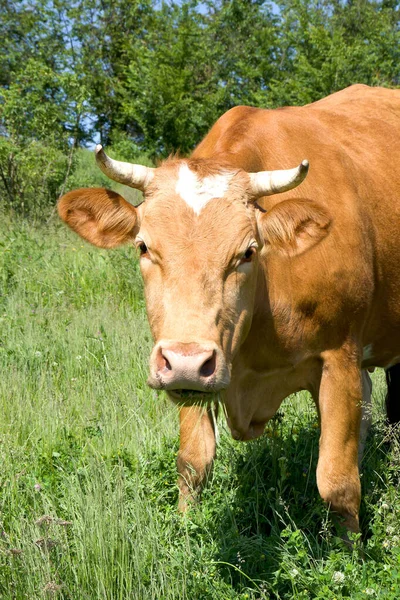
{"x":136,"y":176}
{"x":266,"y":183}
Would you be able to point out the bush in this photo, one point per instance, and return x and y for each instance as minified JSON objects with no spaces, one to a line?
{"x":30,"y":176}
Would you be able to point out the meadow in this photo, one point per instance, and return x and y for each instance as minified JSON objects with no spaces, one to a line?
{"x":88,"y":488}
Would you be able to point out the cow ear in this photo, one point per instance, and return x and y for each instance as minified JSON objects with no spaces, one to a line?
{"x":294,"y":226}
{"x":100,"y":216}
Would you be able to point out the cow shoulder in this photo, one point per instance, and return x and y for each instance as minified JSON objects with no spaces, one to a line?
{"x":100,"y":216}
{"x":294,"y":226}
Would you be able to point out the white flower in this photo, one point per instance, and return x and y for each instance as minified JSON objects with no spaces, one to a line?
{"x":385,"y":506}
{"x":79,"y":357}
{"x":338,"y":577}
{"x":38,"y":353}
{"x":294,"y":572}
{"x":370,"y":591}
{"x":390,"y":530}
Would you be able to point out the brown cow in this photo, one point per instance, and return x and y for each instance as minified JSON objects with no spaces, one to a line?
{"x":257,"y":288}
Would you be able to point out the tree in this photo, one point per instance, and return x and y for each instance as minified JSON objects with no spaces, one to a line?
{"x":327,"y":45}
{"x":42,"y":104}
{"x":150,"y":77}
{"x":194,"y":61}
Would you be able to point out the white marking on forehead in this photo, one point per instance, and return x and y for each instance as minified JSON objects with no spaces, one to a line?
{"x":197,"y":192}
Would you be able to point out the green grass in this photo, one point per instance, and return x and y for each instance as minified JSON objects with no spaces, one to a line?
{"x":86,"y":443}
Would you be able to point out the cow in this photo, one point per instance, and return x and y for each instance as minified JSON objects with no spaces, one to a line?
{"x":263,"y":278}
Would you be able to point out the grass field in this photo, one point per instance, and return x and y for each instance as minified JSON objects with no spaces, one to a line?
{"x":87,"y":452}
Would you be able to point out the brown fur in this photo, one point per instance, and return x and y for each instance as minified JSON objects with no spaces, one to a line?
{"x":294,"y":226}
{"x":100,"y":216}
{"x":318,"y":301}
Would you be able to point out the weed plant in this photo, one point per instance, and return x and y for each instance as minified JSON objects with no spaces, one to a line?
{"x":88,"y":489}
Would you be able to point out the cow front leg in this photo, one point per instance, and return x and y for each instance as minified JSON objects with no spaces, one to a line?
{"x":196,"y":452}
{"x":339,"y":404}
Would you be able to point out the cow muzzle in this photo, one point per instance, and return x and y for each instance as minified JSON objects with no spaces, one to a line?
{"x":184,"y":368}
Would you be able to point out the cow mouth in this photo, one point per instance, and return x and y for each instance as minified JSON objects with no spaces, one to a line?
{"x":189,"y":393}
{"x":190,"y":396}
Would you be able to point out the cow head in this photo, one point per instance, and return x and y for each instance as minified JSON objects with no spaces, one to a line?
{"x":199,"y":233}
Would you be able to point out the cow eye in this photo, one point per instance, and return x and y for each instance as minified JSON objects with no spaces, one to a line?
{"x":142,"y":248}
{"x":248,"y":255}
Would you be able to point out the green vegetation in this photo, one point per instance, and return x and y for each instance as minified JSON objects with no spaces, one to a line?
{"x":147,"y":78}
{"x":88,"y":482}
{"x":87,"y":451}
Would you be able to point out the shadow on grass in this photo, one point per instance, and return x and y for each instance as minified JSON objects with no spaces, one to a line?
{"x":273,"y":518}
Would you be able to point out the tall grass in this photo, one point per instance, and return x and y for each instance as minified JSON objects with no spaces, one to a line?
{"x":87,"y":452}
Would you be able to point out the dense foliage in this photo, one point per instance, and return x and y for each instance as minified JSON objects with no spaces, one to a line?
{"x":150,"y":78}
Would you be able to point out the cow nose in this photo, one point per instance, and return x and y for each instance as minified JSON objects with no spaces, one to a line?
{"x":188,"y":366}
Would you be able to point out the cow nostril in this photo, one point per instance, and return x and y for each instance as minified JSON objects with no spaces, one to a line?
{"x":163,"y":363}
{"x":167,"y":364}
{"x":208,"y":368}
